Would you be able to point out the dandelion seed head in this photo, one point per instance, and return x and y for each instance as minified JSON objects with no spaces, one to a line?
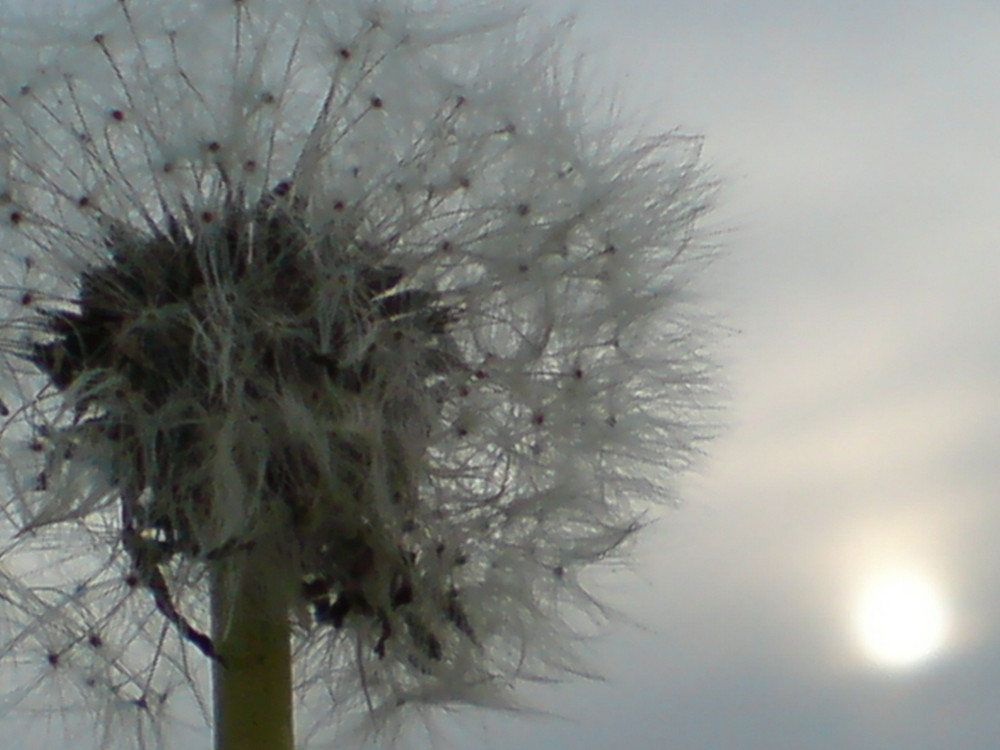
{"x":355,"y":280}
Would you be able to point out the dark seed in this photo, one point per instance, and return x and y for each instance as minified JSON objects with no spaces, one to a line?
{"x":381,"y":279}
{"x":434,"y":650}
{"x":315,"y":588}
{"x":386,"y":635}
{"x":402,"y":595}
{"x":456,"y":613}
{"x":333,"y":613}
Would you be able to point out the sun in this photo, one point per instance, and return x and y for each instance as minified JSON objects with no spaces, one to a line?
{"x":901,"y":619}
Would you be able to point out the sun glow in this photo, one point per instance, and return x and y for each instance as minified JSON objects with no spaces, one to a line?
{"x":901,"y":619}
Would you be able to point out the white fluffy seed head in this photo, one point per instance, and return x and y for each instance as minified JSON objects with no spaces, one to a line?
{"x":357,"y":277}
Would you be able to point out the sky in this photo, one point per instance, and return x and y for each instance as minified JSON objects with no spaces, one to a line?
{"x":856,"y":146}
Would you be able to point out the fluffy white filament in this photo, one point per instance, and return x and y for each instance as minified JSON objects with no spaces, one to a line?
{"x":447,"y":359}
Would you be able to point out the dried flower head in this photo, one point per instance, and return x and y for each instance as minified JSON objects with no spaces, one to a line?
{"x":352,"y":281}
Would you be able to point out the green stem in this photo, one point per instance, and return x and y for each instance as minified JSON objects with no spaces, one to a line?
{"x":253,"y":680}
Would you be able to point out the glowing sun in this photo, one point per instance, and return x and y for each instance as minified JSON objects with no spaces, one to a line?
{"x":901,"y":619}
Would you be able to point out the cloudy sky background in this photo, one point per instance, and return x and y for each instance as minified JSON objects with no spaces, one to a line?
{"x":858,"y":147}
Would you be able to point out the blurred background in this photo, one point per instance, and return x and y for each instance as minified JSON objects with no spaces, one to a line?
{"x":832,"y":581}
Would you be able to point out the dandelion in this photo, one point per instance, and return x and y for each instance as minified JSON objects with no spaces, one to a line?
{"x":336,"y":336}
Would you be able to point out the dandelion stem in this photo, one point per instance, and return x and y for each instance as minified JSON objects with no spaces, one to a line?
{"x":253,"y":677}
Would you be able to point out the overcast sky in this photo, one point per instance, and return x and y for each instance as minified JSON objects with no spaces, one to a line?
{"x":858,"y":147}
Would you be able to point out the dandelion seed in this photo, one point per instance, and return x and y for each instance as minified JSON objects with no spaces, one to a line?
{"x":302,"y":374}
